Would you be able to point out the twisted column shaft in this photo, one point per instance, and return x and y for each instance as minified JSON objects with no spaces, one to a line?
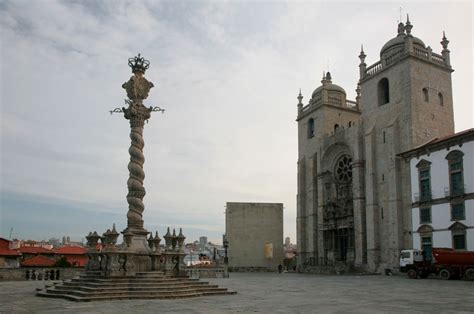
{"x":136,"y":191}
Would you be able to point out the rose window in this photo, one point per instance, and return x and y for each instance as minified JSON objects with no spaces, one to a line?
{"x":344,"y":169}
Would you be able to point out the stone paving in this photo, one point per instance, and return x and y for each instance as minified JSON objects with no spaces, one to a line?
{"x":274,"y":293}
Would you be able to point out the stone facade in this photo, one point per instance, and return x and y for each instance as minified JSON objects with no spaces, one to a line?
{"x":254,"y":232}
{"x":354,"y":202}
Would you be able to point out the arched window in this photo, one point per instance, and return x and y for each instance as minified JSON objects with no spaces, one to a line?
{"x":456,"y":180}
{"x":426,"y":239}
{"x":350,"y":123}
{"x":310,"y":128}
{"x":426,"y":97}
{"x":440,"y":99}
{"x":458,"y":234}
{"x":383,"y":91}
{"x":336,"y":127}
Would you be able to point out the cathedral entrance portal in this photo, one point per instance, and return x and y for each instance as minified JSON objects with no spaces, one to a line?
{"x":344,"y":243}
{"x":339,"y":214}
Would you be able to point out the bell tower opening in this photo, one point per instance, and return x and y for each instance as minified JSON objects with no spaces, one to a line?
{"x":383,"y":91}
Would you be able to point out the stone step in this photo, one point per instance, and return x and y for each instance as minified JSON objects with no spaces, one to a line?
{"x":134,"y":288}
{"x":120,"y":277}
{"x":132,"y":284}
{"x":92,"y":286}
{"x":125,"y":280}
{"x":124,"y":293}
{"x":127,"y":297}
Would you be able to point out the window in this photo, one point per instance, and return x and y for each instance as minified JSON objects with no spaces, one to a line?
{"x":457,"y":211}
{"x":459,"y":241}
{"x":424,"y":179}
{"x":425,"y":215}
{"x":458,"y":232}
{"x":426,"y":246}
{"x":310,"y":128}
{"x":425,"y":95}
{"x":344,"y":169}
{"x":440,"y":99}
{"x":336,"y":127}
{"x":383,"y":91}
{"x":384,"y":136}
{"x":456,"y":180}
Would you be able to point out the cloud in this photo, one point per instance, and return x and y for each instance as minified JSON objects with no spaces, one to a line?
{"x":228,"y":74}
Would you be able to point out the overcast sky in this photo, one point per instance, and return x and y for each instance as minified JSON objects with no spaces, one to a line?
{"x":228,"y":74}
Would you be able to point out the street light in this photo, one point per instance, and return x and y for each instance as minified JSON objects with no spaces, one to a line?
{"x":226,"y":245}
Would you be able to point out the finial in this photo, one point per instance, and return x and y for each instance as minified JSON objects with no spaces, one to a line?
{"x":324,"y":75}
{"x":300,"y":98}
{"x":328,"y":76}
{"x":408,"y":25}
{"x":138,"y":64}
{"x":444,"y":42}
{"x":362,"y":54}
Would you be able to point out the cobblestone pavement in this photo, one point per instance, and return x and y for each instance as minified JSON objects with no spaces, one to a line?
{"x":273,"y":293}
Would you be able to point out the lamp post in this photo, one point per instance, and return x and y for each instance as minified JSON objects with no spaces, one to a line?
{"x":226,"y":245}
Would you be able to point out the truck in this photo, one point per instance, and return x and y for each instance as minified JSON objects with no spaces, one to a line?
{"x":444,"y":262}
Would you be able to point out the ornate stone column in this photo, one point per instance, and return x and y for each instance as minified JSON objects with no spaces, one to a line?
{"x":137,"y":89}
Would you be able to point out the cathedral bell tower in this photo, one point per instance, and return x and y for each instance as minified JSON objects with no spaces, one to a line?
{"x":406,"y":100}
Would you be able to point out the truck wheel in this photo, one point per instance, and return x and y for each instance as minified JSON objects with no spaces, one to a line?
{"x":444,"y":274}
{"x":469,"y":274}
{"x":412,"y":274}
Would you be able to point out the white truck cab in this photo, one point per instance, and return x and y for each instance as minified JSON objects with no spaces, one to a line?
{"x":408,"y":259}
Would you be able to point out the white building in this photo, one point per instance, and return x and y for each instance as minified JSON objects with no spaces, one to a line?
{"x":442,"y":185}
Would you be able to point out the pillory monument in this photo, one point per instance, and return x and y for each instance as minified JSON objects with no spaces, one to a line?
{"x":139,"y":267}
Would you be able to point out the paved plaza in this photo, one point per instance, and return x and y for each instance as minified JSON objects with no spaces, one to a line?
{"x":271,"y":293}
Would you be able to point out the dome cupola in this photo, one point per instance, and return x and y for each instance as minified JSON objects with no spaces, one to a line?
{"x":398,"y":43}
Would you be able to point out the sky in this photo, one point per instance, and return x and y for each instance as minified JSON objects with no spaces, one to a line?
{"x":227,"y":73}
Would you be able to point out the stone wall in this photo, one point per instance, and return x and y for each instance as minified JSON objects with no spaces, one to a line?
{"x":249,"y":228}
{"x":15,"y":274}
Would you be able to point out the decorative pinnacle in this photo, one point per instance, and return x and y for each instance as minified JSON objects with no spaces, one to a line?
{"x":362,"y":54}
{"x":408,"y":25}
{"x":444,"y":42}
{"x":300,"y":98}
{"x":138,"y":64}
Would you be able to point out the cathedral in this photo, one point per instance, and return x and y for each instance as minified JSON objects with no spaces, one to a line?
{"x":354,"y":191}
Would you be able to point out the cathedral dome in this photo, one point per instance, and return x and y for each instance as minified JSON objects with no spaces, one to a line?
{"x":329,"y":86}
{"x":398,"y":43}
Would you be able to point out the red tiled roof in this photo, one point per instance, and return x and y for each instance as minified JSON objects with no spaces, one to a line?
{"x":4,"y":243}
{"x":39,"y":260}
{"x":34,"y":250}
{"x":8,"y":252}
{"x":437,"y":140}
{"x":78,"y":250}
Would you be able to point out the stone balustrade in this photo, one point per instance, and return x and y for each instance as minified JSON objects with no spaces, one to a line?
{"x":112,"y":260}
{"x":387,"y":61}
{"x":39,"y":273}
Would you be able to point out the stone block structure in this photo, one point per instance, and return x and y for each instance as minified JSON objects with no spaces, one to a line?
{"x":254,"y":232}
{"x":354,"y":202}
